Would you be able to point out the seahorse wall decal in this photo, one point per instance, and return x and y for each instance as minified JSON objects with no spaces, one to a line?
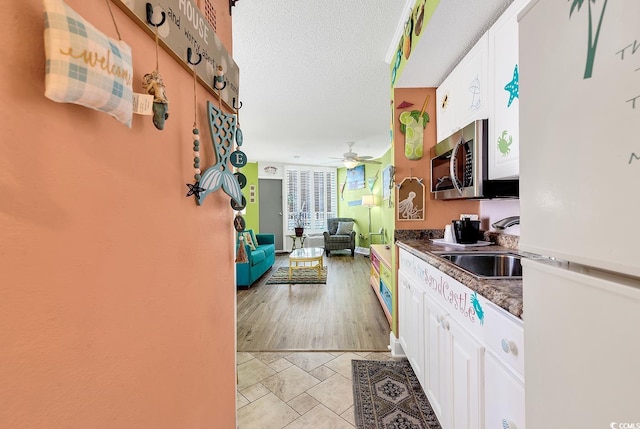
{"x":592,"y":42}
{"x":222,"y":128}
{"x":477,"y":307}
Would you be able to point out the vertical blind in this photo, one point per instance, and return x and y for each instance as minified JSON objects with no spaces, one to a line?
{"x":311,"y":195}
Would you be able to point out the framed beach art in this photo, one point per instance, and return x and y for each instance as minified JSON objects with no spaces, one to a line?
{"x":355,"y":177}
{"x":410,"y":198}
{"x":387,"y":182}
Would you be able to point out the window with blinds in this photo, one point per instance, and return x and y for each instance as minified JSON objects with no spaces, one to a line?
{"x":311,"y":196}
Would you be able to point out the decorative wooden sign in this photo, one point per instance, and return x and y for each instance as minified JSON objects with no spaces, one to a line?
{"x":410,"y":199}
{"x":181,"y":26}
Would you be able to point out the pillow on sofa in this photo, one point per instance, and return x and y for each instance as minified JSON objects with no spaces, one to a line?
{"x":249,"y":239}
{"x":84,"y":66}
{"x":254,"y":238}
{"x":344,"y":228}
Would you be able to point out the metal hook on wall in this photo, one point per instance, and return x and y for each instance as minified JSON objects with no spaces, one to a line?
{"x":189,"y":53}
{"x":238,"y":107}
{"x":232,"y":3}
{"x":150,"y":16}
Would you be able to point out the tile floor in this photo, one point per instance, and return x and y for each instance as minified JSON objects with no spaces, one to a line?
{"x":296,"y":390}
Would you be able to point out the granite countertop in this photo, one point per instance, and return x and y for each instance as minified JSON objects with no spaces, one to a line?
{"x":505,"y":293}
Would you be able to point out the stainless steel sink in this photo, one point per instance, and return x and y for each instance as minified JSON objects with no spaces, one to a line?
{"x":486,"y":264}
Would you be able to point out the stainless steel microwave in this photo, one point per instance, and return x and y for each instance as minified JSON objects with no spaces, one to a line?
{"x":459,"y":167}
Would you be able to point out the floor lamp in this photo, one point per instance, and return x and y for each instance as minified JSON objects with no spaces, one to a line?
{"x":369,"y":201}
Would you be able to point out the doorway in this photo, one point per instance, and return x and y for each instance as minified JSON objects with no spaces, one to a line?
{"x":271,"y":209}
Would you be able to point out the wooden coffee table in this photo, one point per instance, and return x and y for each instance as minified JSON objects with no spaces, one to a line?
{"x":299,"y":258}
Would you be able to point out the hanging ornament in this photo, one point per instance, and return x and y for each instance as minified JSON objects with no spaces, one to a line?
{"x":241,"y":255}
{"x":241,"y":178}
{"x":152,"y":82}
{"x":239,"y":223}
{"x":222,"y":127}
{"x":195,"y":189}
{"x":218,"y":79}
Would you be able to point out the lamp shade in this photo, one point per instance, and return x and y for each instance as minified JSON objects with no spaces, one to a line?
{"x":350,"y":163}
{"x":368,"y":200}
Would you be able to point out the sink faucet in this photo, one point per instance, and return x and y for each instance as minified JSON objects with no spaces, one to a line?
{"x":506,"y":222}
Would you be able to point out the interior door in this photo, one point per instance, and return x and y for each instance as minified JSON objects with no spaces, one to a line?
{"x":271,"y":209}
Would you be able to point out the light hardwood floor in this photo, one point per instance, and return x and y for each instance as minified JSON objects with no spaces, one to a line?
{"x":342,"y":315}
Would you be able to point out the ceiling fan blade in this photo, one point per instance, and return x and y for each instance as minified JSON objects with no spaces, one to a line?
{"x":359,"y":158}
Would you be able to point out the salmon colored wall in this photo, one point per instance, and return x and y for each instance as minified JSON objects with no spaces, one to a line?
{"x":438,"y":212}
{"x":117,"y":297}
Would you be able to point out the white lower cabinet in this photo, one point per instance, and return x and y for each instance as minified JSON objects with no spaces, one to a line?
{"x":453,"y":377}
{"x":410,"y":304}
{"x":505,"y":396}
{"x":467,"y":358}
{"x":437,"y":368}
{"x":468,"y":363}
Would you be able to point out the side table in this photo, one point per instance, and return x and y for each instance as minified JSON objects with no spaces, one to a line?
{"x":294,"y":240}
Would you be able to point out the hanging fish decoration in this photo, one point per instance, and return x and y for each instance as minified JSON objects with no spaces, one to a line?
{"x":222,"y":128}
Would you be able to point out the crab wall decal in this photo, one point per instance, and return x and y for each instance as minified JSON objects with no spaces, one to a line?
{"x":504,"y":144}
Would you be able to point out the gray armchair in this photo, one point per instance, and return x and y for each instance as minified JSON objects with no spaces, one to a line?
{"x":338,"y":240}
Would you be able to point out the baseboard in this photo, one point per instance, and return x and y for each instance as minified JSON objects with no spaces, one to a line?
{"x":362,"y":250}
{"x":395,"y":347}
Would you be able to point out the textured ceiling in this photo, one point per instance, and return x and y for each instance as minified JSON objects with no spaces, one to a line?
{"x":313,"y":74}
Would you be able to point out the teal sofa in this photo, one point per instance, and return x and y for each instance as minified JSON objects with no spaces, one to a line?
{"x":259,"y":260}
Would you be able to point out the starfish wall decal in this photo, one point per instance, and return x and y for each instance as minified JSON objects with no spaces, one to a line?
{"x":513,"y":87}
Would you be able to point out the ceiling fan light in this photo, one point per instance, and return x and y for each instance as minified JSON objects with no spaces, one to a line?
{"x":350,"y":163}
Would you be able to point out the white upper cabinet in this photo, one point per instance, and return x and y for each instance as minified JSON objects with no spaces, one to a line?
{"x":463,"y":96}
{"x":504,"y":136}
{"x":445,"y":122}
{"x":473,"y":86}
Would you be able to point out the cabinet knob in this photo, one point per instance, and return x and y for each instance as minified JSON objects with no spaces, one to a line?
{"x":442,"y":321}
{"x":508,"y":425}
{"x":509,"y":347}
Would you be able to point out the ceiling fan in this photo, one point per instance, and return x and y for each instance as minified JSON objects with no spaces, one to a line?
{"x":350,"y":159}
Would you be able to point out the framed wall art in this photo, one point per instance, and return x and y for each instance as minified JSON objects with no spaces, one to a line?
{"x":410,"y":199}
{"x":355,"y":177}
{"x":387,"y":182}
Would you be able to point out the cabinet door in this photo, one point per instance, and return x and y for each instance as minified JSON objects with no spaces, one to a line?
{"x":504,"y":136}
{"x":472,"y":84}
{"x":411,"y":323}
{"x":404,"y":326}
{"x":415,"y":310}
{"x":505,"y":396}
{"x":467,"y":370}
{"x":445,"y":108}
{"x":437,"y":352}
{"x":454,"y":370}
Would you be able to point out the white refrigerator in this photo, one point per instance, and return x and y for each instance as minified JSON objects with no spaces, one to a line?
{"x":579,"y":104}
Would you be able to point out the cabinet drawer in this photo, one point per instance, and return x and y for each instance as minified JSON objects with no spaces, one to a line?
{"x":385,"y":274}
{"x":504,"y":335}
{"x":386,"y":296}
{"x":375,"y":277}
{"x":375,"y":260}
